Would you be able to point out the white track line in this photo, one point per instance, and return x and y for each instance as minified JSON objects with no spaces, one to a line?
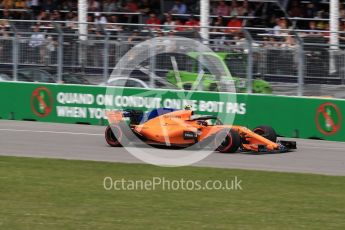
{"x":315,"y":147}
{"x":51,"y":132}
{"x":303,"y":146}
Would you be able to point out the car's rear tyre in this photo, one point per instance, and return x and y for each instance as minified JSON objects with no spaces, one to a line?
{"x":227,"y":141}
{"x":113,"y":135}
{"x":267,"y":132}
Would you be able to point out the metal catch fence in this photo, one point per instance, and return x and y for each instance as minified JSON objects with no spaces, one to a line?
{"x":249,"y":54}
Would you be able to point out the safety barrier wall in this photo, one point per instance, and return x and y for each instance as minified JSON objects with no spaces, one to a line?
{"x":290,"y":116}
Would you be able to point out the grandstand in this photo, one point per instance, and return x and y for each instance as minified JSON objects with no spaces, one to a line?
{"x":289,"y":39}
{"x":254,"y":13}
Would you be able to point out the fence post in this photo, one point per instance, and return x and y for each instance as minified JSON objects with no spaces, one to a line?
{"x":343,"y":71}
{"x":15,"y":56}
{"x":106,"y":58}
{"x":140,"y":18}
{"x":300,"y":68}
{"x":59,"y":53}
{"x":152,"y":63}
{"x":15,"y":50}
{"x":249,"y":40}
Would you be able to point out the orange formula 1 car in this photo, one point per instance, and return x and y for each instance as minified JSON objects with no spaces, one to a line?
{"x":181,"y":128}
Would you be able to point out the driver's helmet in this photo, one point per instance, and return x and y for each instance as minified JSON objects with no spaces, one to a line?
{"x":188,"y":107}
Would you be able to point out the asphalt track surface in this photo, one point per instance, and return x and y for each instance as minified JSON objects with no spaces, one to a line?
{"x":83,"y":142}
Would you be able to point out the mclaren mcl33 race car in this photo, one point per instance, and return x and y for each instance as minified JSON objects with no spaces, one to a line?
{"x":181,"y":128}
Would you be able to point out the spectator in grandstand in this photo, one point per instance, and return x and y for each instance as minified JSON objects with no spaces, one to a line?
{"x":280,"y":27}
{"x":113,"y":19}
{"x":153,"y":20}
{"x":110,"y":6}
{"x":234,"y":10}
{"x":112,"y":27}
{"x":131,"y":6}
{"x":171,"y":33}
{"x":321,"y":25}
{"x":20,"y":4}
{"x":246,"y":9}
{"x":242,"y":8}
{"x":90,"y":26}
{"x":48,"y":5}
{"x":217,"y":34}
{"x":288,"y":42}
{"x":341,"y":11}
{"x":37,"y":38}
{"x":327,"y":33}
{"x":7,"y":4}
{"x":170,"y":44}
{"x":145,"y":7}
{"x":159,"y":43}
{"x":4,"y":23}
{"x":179,"y":8}
{"x":178,"y":25}
{"x":193,"y":7}
{"x":341,"y":25}
{"x":296,"y":9}
{"x":192,"y":23}
{"x":71,"y":19}
{"x":100,"y":19}
{"x":239,"y":41}
{"x":69,"y":16}
{"x":234,"y":25}
{"x":312,"y":30}
{"x":6,"y":14}
{"x":342,"y":32}
{"x":218,"y":22}
{"x":50,"y":49}
{"x":44,"y":16}
{"x":271,"y":42}
{"x":222,"y":9}
{"x":35,"y":6}
{"x":95,"y":50}
{"x":311,"y":10}
{"x":134,"y":37}
{"x":94,"y":6}
{"x":3,"y":31}
{"x":159,"y":33}
{"x":155,"y":6}
{"x":169,"y":23}
{"x":265,"y":41}
{"x":36,"y":44}
{"x":5,"y":50}
{"x":55,"y":16}
{"x":69,"y":5}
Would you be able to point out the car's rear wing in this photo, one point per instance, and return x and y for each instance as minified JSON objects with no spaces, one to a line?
{"x":114,"y":117}
{"x":135,"y":116}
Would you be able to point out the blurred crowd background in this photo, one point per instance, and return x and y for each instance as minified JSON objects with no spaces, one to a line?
{"x":290,"y":39}
{"x":298,"y":13}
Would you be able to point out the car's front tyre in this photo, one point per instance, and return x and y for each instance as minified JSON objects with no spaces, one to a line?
{"x":267,"y":132}
{"x":227,"y":141}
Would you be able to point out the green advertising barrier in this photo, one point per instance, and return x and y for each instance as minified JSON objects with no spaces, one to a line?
{"x":290,"y":116}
